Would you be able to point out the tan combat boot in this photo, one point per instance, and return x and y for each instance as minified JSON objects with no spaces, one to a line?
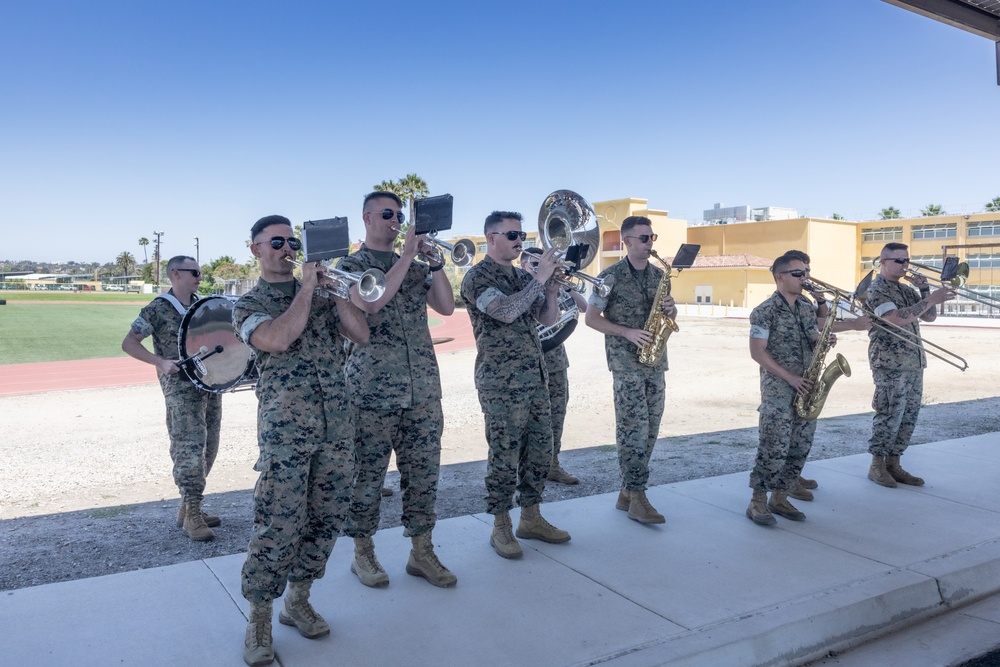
{"x":878,"y":473}
{"x":298,"y":613}
{"x":366,"y":565}
{"x":800,"y":492}
{"x":257,"y":648}
{"x":778,"y":504}
{"x":210,"y":520}
{"x":900,"y":475}
{"x":624,"y":500}
{"x":424,"y":563}
{"x":758,"y":512}
{"x":502,"y":540}
{"x":808,"y":483}
{"x":533,"y":526}
{"x":194,"y":522}
{"x":560,"y":476}
{"x":640,"y":510}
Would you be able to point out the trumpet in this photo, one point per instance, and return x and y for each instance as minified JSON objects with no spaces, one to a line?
{"x":573,"y":279}
{"x":900,"y":333}
{"x":462,"y":252}
{"x":371,"y":283}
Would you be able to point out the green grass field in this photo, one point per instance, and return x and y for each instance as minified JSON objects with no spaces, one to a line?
{"x":64,"y":331}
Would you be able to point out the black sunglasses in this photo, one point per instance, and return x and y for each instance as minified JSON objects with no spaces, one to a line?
{"x":512,"y":235}
{"x":796,"y":273}
{"x":194,"y":272}
{"x":643,"y":238}
{"x":278,"y":243}
{"x":389,"y":214}
{"x":900,"y":260}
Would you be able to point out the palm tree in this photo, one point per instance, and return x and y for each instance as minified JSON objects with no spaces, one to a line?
{"x":413,"y":187}
{"x":394,"y":187}
{"x":144,"y":242}
{"x":994,"y":206}
{"x":891,"y":213}
{"x":126,"y":262}
{"x":837,"y":216}
{"x":931,"y":210}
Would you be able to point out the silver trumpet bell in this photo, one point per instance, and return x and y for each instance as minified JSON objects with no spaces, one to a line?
{"x":462,"y":252}
{"x":371,"y":283}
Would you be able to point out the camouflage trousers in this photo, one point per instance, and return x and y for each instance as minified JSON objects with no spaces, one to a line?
{"x":194,"y":418}
{"x":639,"y":401}
{"x":299,"y":506}
{"x":415,"y":435}
{"x":785,"y":441}
{"x":896,"y":404}
{"x":558,"y":400}
{"x":519,"y":433}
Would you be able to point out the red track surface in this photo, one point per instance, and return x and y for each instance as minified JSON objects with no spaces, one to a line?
{"x":121,"y":371}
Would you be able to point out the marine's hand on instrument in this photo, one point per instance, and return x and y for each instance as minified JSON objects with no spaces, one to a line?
{"x":312,"y":276}
{"x":548,"y":261}
{"x":861,"y":323}
{"x":411,"y":244}
{"x":831,"y":339}
{"x":640,"y":337}
{"x":800,"y":384}
{"x":668,"y":306}
{"x":918,"y":280}
{"x":940,"y":295}
{"x":168,"y":366}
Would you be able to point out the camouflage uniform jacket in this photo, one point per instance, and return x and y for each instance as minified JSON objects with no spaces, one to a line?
{"x":308,"y":376}
{"x":791,"y":332}
{"x":884,"y":349}
{"x":628,"y":304}
{"x":161,"y":320}
{"x":397,"y":369}
{"x":508,"y":356}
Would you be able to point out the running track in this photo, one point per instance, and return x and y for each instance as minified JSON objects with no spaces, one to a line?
{"x":123,"y":371}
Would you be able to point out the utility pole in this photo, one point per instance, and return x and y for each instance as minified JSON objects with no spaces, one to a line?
{"x":157,"y":260}
{"x":197,"y":256}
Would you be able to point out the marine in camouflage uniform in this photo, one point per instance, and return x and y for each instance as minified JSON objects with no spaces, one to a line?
{"x":505,"y":304}
{"x":194,"y":416}
{"x":897,"y":366}
{"x":395,"y":389}
{"x":304,"y":433}
{"x":785,"y":438}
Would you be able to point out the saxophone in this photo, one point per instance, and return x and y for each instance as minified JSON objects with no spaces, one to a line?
{"x":809,"y":405}
{"x":658,"y":324}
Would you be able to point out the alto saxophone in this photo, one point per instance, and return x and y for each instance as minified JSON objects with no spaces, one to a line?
{"x":809,"y":405}
{"x":657,"y":323}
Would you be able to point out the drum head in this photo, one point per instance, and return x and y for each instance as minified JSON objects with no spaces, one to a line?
{"x":207,"y":326}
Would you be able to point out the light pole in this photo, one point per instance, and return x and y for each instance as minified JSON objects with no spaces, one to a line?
{"x":158,"y":235}
{"x":197,"y":256}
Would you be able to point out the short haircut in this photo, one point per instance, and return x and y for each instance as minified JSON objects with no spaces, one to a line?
{"x":782,"y":262}
{"x":175,"y":262}
{"x":893,"y":246}
{"x":266,"y":222}
{"x":634,"y":220}
{"x":379,"y":194}
{"x":494,"y":219}
{"x":799,"y":255}
{"x":534,"y":250}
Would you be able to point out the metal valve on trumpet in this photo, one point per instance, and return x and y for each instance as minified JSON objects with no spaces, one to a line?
{"x":462,"y":252}
{"x":371,"y":283}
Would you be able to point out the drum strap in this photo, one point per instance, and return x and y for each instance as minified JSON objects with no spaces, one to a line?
{"x":175,"y":302}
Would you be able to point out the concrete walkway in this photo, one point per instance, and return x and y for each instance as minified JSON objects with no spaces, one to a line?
{"x":708,"y":588}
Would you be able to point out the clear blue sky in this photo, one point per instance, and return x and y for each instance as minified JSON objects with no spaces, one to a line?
{"x":121,"y":118}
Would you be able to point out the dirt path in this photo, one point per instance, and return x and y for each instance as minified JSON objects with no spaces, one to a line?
{"x":85,"y":488}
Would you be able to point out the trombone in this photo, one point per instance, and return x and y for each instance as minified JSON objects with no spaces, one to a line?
{"x":462,"y":252}
{"x":957,"y":283}
{"x":878,"y":322}
{"x":371,"y":283}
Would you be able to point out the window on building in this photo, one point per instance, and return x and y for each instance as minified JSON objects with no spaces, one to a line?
{"x":529,"y":243}
{"x":984,"y":261}
{"x":481,"y":248}
{"x":611,"y":241}
{"x":985,"y":228}
{"x":928,"y":260}
{"x":867,"y":264}
{"x":882,"y":234}
{"x":939,"y":231}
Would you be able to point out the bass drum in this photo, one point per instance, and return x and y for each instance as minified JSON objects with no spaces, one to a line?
{"x":225,"y":360}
